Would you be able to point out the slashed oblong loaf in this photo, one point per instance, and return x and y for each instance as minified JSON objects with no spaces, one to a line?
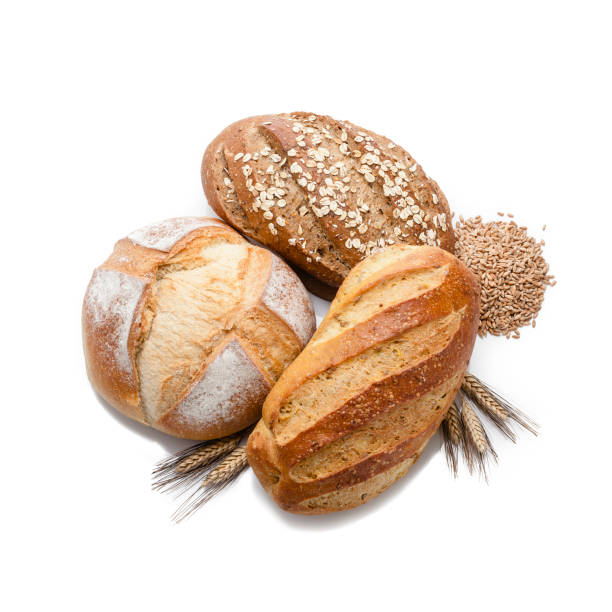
{"x":187,"y":326}
{"x":356,"y":408}
{"x":323,"y":193}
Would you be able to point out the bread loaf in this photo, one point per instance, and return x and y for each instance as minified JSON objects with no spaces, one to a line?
{"x":322,"y":193}
{"x":356,"y":408}
{"x":187,"y":326}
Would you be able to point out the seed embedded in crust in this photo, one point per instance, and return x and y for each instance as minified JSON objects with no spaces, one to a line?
{"x":317,"y":159}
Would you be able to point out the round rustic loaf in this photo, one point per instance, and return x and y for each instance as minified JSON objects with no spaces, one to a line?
{"x":187,"y":326}
{"x":323,"y":193}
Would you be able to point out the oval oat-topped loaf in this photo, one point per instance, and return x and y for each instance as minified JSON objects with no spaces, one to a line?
{"x":187,"y":326}
{"x":323,"y":193}
{"x":355,"y":410}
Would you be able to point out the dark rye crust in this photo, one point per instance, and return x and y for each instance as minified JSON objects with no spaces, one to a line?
{"x":272,"y":460}
{"x":219,"y":155}
{"x":331,"y":235}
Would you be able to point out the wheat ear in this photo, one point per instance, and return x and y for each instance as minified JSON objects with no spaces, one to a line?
{"x":168,"y":475}
{"x":207,"y":454}
{"x":476,"y":444}
{"x":474,"y":427}
{"x":496,"y":413}
{"x":228,"y":469}
{"x":471,"y":386}
{"x":224,"y":473}
{"x":453,"y":434}
{"x":499,"y":410}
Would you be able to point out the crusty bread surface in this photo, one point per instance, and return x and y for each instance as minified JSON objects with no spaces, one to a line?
{"x":323,"y":193}
{"x":187,"y":326}
{"x":356,"y":408}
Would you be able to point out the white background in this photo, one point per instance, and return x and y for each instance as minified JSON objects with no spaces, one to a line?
{"x":106,"y":109}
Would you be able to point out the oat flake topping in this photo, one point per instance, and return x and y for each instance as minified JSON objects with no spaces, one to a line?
{"x":330,"y":163}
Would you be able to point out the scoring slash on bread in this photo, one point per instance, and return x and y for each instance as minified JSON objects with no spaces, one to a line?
{"x":356,"y":408}
{"x":323,"y":193}
{"x":187,"y":326}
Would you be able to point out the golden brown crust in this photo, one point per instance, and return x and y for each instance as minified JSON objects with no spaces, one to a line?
{"x":316,"y":358}
{"x":276,"y":447}
{"x":119,"y":389}
{"x":353,"y":190}
{"x":118,"y":310}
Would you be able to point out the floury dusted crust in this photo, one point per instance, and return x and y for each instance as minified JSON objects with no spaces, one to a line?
{"x":187,"y":326}
{"x":112,"y":302}
{"x":162,"y":236}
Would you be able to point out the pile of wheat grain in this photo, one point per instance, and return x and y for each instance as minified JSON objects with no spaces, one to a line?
{"x":512,"y":271}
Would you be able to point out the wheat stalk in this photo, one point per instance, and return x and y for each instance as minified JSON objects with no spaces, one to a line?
{"x":493,"y":410}
{"x":228,"y":469}
{"x":496,"y":407}
{"x":471,"y":385}
{"x":477,"y":447}
{"x":463,"y":430}
{"x":453,"y":419}
{"x":207,"y":454}
{"x":473,"y":427}
{"x":183,"y":469}
{"x":224,"y":472}
{"x":453,"y":434}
